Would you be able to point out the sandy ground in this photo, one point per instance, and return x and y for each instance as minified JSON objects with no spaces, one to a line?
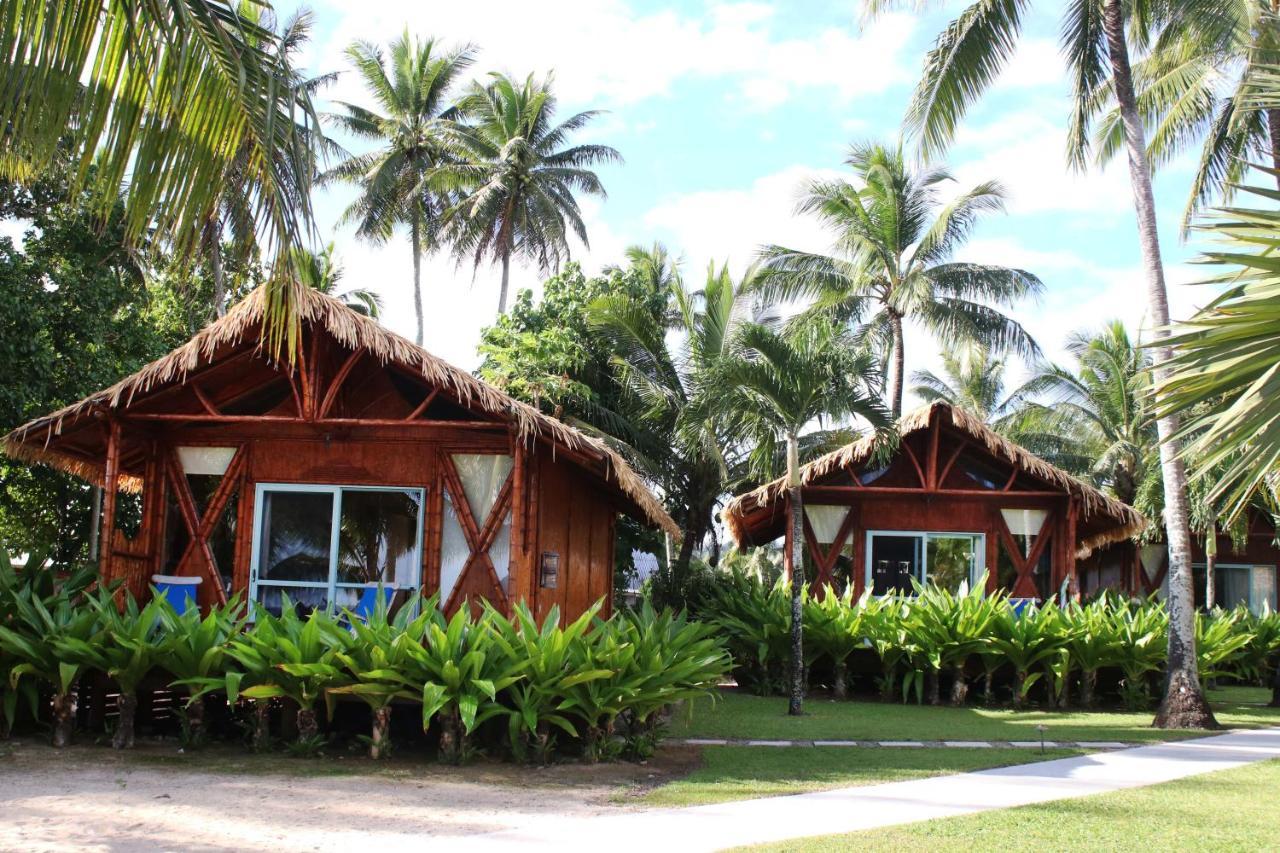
{"x":91,"y":798}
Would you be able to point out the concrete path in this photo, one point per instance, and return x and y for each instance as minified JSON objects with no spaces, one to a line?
{"x":717,"y":827}
{"x":932,"y":744}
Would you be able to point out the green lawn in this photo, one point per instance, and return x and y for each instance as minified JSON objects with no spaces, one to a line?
{"x":1228,"y":810}
{"x":741,"y":715}
{"x":741,"y":772}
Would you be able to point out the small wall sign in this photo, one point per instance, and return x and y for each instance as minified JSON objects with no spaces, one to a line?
{"x":549,"y":573}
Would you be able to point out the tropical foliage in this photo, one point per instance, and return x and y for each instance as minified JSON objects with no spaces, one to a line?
{"x":910,"y":646}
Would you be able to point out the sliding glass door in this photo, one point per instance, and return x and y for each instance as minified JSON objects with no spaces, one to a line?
{"x":895,"y":558}
{"x":321,"y":545}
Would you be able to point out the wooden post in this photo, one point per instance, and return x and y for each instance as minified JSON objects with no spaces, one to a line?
{"x":517,"y":579}
{"x":1071,"y":546}
{"x":110,"y":487}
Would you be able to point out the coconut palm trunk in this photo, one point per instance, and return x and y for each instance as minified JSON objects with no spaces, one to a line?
{"x":213,"y":254}
{"x":1210,"y":567}
{"x":415,"y":232}
{"x":1184,"y":705}
{"x":506,"y":280}
{"x":796,"y":706}
{"x":899,"y":366}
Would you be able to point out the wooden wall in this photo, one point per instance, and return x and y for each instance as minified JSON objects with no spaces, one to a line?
{"x":575,"y":521}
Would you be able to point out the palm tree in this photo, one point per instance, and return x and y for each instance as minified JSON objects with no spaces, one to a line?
{"x":413,"y":133}
{"x":519,"y":178}
{"x":973,"y":379}
{"x":772,"y":386}
{"x":895,"y":239}
{"x":964,"y":60}
{"x":321,"y":271}
{"x":1194,"y":86}
{"x":138,"y":90}
{"x":665,"y":364}
{"x":232,"y":214}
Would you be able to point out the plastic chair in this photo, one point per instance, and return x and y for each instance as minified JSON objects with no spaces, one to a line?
{"x":179,"y":591}
{"x":368,"y":602}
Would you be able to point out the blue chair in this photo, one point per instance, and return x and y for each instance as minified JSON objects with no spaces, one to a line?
{"x":178,"y":591}
{"x":368,"y":602}
{"x":1021,"y":604}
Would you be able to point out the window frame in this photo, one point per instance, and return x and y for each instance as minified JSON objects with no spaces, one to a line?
{"x":975,"y":571}
{"x":335,"y":523}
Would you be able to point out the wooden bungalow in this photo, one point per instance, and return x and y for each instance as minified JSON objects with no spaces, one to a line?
{"x":1246,"y":570}
{"x":955,"y":500}
{"x":364,"y":460}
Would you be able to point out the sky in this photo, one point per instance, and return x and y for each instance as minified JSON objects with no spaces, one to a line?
{"x":721,"y":112}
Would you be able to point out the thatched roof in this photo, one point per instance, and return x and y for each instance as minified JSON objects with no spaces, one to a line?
{"x":1111,"y":519}
{"x":35,"y":441}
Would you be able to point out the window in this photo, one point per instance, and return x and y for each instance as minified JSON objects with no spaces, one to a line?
{"x":1236,"y":584}
{"x":321,"y":545}
{"x":483,"y":476}
{"x":895,"y":558}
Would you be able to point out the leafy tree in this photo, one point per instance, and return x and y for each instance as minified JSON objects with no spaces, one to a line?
{"x":666,"y":363}
{"x":965,"y":59}
{"x":138,"y":90}
{"x":771,"y":387}
{"x":547,"y":353}
{"x":411,"y":125}
{"x":518,"y":175}
{"x":895,"y":238}
{"x":75,"y":316}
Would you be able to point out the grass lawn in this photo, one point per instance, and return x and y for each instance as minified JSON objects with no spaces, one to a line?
{"x":741,"y":772}
{"x":1228,"y":810}
{"x":741,"y":715}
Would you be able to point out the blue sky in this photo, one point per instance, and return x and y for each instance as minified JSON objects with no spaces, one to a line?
{"x":723,"y":110}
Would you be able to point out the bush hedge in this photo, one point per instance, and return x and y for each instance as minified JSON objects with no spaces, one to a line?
{"x":911,"y":646}
{"x":594,"y":686}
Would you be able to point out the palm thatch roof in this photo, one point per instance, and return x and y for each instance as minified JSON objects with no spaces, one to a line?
{"x":36,"y":441}
{"x":1112,"y":520}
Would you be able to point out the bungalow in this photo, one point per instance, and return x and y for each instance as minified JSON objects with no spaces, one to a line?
{"x":364,"y":460}
{"x":955,"y":500}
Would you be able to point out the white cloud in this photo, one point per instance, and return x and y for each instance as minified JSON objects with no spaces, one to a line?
{"x":732,"y":224}
{"x":609,"y":53}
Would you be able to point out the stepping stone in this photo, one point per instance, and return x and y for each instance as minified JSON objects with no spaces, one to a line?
{"x":1101,"y":744}
{"x":1029,"y":744}
{"x":776,"y":743}
{"x":835,"y":743}
{"x":901,"y":743}
{"x":698,"y":741}
{"x":970,"y":744}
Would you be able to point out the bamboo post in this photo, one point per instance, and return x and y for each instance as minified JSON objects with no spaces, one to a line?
{"x":110,"y":487}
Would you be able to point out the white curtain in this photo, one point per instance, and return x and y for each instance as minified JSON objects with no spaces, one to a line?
{"x":825,"y":521}
{"x":1152,"y":558}
{"x":454,"y":550}
{"x":482,"y":475}
{"x":1264,"y":588}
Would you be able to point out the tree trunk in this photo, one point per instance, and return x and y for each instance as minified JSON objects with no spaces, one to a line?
{"x":261,"y":725}
{"x":127,"y":706}
{"x":796,"y":706}
{"x":95,"y":522}
{"x":450,"y":737}
{"x":1275,"y":687}
{"x":1088,"y":682}
{"x":308,"y":728}
{"x":1019,"y":679}
{"x":1184,"y":705}
{"x":988,"y":687}
{"x":195,"y":720}
{"x":415,"y":233}
{"x":899,"y":366}
{"x":380,"y":741}
{"x":959,"y":687}
{"x":506,"y":279}
{"x":1210,"y":567}
{"x":1273,"y":131}
{"x":840,"y":681}
{"x":933,"y":686}
{"x":213,"y":253}
{"x":64,"y":718}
